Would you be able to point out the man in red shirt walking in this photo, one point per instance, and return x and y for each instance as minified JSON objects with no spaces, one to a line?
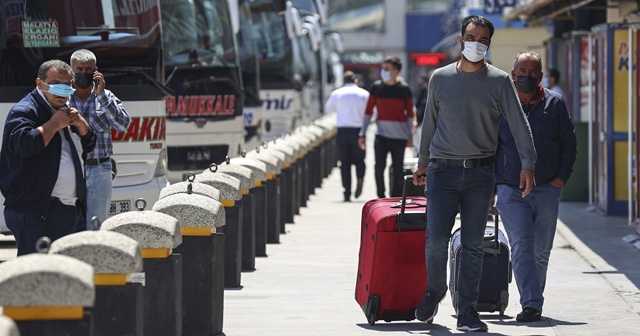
{"x":393,"y":100}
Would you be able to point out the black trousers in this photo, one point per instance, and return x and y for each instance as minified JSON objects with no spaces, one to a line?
{"x":60,"y":221}
{"x":349,"y":153}
{"x":383,"y":146}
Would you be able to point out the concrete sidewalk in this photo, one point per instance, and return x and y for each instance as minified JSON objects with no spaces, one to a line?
{"x":306,"y":284}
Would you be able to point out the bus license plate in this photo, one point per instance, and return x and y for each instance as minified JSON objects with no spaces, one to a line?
{"x":118,"y":207}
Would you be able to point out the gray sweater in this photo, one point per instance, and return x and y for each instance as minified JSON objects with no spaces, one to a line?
{"x":463,"y":114}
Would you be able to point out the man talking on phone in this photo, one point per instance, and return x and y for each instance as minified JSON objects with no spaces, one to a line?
{"x":103,"y":111}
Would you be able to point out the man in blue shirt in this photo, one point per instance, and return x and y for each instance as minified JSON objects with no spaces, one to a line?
{"x":41,"y":175}
{"x":103,"y":111}
{"x":530,"y":221}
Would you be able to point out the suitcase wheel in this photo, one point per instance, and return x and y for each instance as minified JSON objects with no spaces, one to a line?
{"x":372,"y":318}
{"x":504,"y":301}
{"x":372,"y":307}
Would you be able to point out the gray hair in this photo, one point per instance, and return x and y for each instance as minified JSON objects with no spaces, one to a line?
{"x":82,"y":56}
{"x":528,"y":53}
{"x":58,"y":65}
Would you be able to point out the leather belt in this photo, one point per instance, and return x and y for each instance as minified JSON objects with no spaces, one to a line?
{"x":466,"y":163}
{"x":95,"y":162}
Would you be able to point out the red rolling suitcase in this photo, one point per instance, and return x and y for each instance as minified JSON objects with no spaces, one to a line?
{"x":392,"y":274}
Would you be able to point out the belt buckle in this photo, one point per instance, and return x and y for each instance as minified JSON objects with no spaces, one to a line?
{"x":464,"y":163}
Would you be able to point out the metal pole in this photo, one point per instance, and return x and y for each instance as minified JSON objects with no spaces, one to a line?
{"x":590,"y":118}
{"x":630,"y":92}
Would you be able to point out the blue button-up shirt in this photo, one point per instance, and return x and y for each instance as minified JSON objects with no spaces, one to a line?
{"x":102,"y":112}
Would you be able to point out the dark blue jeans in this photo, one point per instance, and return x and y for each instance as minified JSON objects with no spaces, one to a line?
{"x":449,"y":189}
{"x":61,"y":220}
{"x":382,"y":147}
{"x":349,"y":153}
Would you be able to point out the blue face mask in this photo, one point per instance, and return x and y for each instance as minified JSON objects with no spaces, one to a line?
{"x":385,"y":75}
{"x":60,"y":90}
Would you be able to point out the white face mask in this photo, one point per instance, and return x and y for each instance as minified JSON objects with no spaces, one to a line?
{"x":385,"y":75}
{"x":474,"y":51}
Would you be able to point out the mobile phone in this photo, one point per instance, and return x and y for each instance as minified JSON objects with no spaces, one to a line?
{"x":95,"y":82}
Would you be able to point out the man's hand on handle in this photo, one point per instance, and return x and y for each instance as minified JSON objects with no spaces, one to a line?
{"x":420,"y":176}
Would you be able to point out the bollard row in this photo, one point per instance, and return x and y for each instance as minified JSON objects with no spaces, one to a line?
{"x":163,"y":271}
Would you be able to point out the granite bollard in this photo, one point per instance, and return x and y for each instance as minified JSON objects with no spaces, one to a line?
{"x":8,"y":327}
{"x":298,"y":169}
{"x":248,"y":203}
{"x":290,"y":175}
{"x":282,"y":184}
{"x":306,"y":162}
{"x":230,"y":193}
{"x":157,"y":234}
{"x":46,"y":295}
{"x":259,"y":192}
{"x":191,"y":187}
{"x":202,"y":250}
{"x":273,"y":185}
{"x":118,"y":308}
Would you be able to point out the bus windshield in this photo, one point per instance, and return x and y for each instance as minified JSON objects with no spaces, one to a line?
{"x":38,"y":30}
{"x":206,"y":41}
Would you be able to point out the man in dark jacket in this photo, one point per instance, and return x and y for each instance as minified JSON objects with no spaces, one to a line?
{"x":530,"y":221}
{"x":41,"y":172}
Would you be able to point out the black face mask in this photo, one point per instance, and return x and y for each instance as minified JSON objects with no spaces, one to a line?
{"x":84,"y":79}
{"x":526,"y":84}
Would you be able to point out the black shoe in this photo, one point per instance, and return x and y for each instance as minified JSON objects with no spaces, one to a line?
{"x":529,"y":314}
{"x":359,"y":188}
{"x":347,"y":199}
{"x":428,"y":307}
{"x":470,"y":321}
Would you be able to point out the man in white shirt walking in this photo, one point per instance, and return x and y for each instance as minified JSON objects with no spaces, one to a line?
{"x":349,"y":102}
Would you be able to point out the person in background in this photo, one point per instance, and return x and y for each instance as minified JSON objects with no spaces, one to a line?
{"x":41,"y":173}
{"x":531,"y":221}
{"x":104,"y":111}
{"x":465,"y":103}
{"x":554,"y":80}
{"x":349,"y":103}
{"x":421,"y":103}
{"x":394,"y":102}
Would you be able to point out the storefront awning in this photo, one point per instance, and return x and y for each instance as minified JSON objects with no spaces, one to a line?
{"x":534,"y":12}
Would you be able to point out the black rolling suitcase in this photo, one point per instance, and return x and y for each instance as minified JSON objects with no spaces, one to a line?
{"x":496,"y":269}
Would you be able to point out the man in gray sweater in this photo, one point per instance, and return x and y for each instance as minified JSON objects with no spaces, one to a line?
{"x":465,"y":102}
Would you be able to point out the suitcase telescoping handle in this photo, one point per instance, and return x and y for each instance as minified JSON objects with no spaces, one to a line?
{"x":494,"y":212}
{"x":407,"y":179}
{"x":402,"y":222}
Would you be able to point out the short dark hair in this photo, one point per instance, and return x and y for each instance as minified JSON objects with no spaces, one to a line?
{"x":394,"y":61}
{"x":350,"y":77}
{"x":555,"y":74}
{"x":59,"y":65}
{"x":477,"y":20}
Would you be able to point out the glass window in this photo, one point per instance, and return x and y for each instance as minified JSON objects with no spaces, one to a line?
{"x":428,"y":6}
{"x":55,"y":29}
{"x":357,"y":15}
{"x":206,"y":40}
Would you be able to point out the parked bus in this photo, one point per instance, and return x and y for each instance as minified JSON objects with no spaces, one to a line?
{"x":202,"y":67}
{"x":126,"y":38}
{"x":285,"y":73}
{"x":248,"y":52}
